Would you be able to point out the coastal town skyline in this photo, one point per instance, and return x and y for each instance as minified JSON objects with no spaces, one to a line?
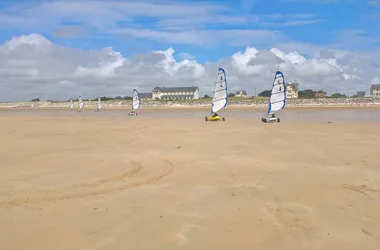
{"x":192,"y":92}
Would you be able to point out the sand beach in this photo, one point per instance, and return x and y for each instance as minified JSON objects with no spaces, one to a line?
{"x":172,"y":181}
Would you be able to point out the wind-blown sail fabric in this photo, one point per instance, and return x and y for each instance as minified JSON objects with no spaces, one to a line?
{"x":80,"y":102}
{"x":135,"y":100}
{"x":220,"y":98}
{"x":99,"y":106}
{"x":277,"y":99}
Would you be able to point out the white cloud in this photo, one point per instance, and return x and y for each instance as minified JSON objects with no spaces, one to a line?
{"x":293,"y":57}
{"x":302,"y":22}
{"x":172,"y":67}
{"x":32,"y":64}
{"x":355,"y":38}
{"x":170,"y":21}
{"x":209,"y":38}
{"x":288,"y":20}
{"x":105,"y":68}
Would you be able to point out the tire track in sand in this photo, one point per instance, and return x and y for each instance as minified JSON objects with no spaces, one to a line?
{"x":136,"y":169}
{"x":84,"y":194}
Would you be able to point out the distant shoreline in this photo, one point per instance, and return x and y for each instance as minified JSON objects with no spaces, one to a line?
{"x":231,"y":107}
{"x":259,"y":103}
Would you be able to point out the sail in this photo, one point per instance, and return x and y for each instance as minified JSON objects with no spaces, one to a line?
{"x":135,"y":100}
{"x":80,"y":103}
{"x":220,"y":98}
{"x":99,"y":106}
{"x":277,"y":99}
{"x":71,"y":104}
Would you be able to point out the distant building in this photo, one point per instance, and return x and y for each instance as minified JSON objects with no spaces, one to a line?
{"x":320,"y":94}
{"x":360,"y":94}
{"x":375,"y":90}
{"x":146,"y":96}
{"x":241,"y":93}
{"x":291,"y":90}
{"x":176,"y":93}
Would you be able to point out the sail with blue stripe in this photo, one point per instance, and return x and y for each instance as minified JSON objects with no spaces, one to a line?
{"x":277,"y":99}
{"x":80,"y":103}
{"x":135,"y":100}
{"x":220,"y":98}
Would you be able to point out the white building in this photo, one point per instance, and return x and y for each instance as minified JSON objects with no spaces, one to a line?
{"x":241,"y":93}
{"x":177,"y":93}
{"x":291,"y":90}
{"x":375,"y":90}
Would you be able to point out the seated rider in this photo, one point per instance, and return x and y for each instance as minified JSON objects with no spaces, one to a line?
{"x":215,"y":115}
{"x":272,"y":116}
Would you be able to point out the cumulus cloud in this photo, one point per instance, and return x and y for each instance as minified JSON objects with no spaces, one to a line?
{"x":33,"y":65}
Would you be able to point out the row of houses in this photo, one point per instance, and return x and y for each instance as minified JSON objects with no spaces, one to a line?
{"x":174,"y":93}
{"x":187,"y":93}
{"x":292,"y":91}
{"x":179,"y":93}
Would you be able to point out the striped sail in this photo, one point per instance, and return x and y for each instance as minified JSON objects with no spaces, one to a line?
{"x":220,"y":98}
{"x":80,"y":102}
{"x":277,"y":99}
{"x":135,"y":100}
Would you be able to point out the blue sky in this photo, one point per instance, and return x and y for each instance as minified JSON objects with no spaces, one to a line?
{"x":128,"y":28}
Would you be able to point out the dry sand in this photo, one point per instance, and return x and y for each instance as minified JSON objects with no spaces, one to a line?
{"x":85,"y":182}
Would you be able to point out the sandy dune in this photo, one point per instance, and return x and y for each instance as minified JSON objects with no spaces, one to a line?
{"x":85,"y":182}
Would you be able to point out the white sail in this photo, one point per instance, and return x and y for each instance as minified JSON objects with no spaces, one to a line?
{"x":71,"y":104}
{"x":220,"y":98}
{"x":277,"y":99}
{"x":99,"y":105}
{"x":135,"y":100}
{"x":80,"y":102}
